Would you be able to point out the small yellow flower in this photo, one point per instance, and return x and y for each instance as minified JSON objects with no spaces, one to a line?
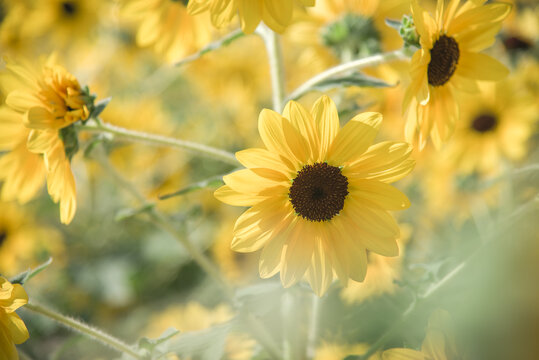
{"x":12,"y":328}
{"x":319,"y":195}
{"x":449,"y":60}
{"x":439,"y":343}
{"x":277,"y":14}
{"x":43,"y":103}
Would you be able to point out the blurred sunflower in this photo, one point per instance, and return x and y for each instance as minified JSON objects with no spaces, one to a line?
{"x":23,"y":242}
{"x":449,"y":60}
{"x":494,"y":127}
{"x":62,"y":22}
{"x":340,"y":30}
{"x":520,"y":32}
{"x":319,"y":195}
{"x":47,"y":100}
{"x":381,"y":276}
{"x":277,"y":14}
{"x":195,"y":317}
{"x":238,"y":268}
{"x":12,"y":328}
{"x":439,"y":342}
{"x":167,"y":26}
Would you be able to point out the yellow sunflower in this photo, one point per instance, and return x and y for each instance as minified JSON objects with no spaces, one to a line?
{"x":439,"y":342}
{"x":167,"y":27}
{"x":25,"y":243}
{"x":47,"y":100}
{"x":12,"y":328}
{"x":319,"y":195}
{"x":449,"y":60}
{"x":277,"y":14}
{"x":494,"y":126}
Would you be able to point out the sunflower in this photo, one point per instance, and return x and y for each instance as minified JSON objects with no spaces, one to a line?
{"x":47,"y":101}
{"x":25,"y":243}
{"x":319,"y":195}
{"x":12,"y":328}
{"x":449,"y":60}
{"x":277,"y":14}
{"x":494,"y":127}
{"x":439,"y":342}
{"x":167,"y":27}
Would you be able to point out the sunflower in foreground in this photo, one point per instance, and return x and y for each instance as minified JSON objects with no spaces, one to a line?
{"x":319,"y":195}
{"x":42,"y":105}
{"x":12,"y":328}
{"x":449,"y":60}
{"x":277,"y":14}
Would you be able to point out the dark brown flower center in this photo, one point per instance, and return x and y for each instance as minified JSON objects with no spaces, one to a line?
{"x":444,"y":57}
{"x":69,"y":8}
{"x":3,"y":236}
{"x":484,"y":123}
{"x":513,"y":43}
{"x":318,"y":192}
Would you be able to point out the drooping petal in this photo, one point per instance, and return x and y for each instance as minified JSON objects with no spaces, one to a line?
{"x":250,"y":15}
{"x":299,"y":249}
{"x":17,"y":330}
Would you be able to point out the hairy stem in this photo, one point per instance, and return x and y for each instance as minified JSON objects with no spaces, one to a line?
{"x":84,"y":329}
{"x":346,"y":67}
{"x":159,"y":140}
{"x":275,"y":57}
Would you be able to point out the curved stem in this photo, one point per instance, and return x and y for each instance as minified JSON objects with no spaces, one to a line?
{"x":275,"y":57}
{"x":343,"y":68}
{"x":159,"y":140}
{"x":84,"y":329}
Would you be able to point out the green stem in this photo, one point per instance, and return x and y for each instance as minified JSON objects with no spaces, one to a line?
{"x":202,"y":260}
{"x":313,"y":328}
{"x":159,"y":140}
{"x":84,"y":329}
{"x":275,"y":57}
{"x":227,"y":39}
{"x":346,"y":67}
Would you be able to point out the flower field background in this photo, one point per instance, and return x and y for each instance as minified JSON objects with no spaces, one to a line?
{"x":269,"y":179}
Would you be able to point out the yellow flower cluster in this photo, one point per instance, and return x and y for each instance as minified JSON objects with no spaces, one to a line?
{"x":12,"y":328}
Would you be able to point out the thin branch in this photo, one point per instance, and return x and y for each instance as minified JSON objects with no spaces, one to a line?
{"x":90,"y":332}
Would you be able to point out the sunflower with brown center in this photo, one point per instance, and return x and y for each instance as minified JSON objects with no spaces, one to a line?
{"x":319,"y":195}
{"x":449,"y":60}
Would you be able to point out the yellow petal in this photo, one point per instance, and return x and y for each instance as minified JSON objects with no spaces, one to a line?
{"x":259,"y":224}
{"x":354,"y":138}
{"x":250,"y":15}
{"x":303,"y":121}
{"x":272,"y":254}
{"x":232,"y":197}
{"x":320,"y":272}
{"x":7,"y":348}
{"x":278,"y":10}
{"x":479,"y":66}
{"x":358,"y":264}
{"x":478,"y":38}
{"x":247,"y":181}
{"x":270,"y":127}
{"x":379,"y":194}
{"x":16,"y":328}
{"x":298,"y":253}
{"x":326,"y":119}
{"x":385,"y":161}
{"x":477,"y":16}
{"x":22,"y":100}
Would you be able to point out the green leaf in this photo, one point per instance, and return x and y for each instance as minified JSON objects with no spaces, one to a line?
{"x":99,"y":107}
{"x":208,"y":183}
{"x":156,"y":348}
{"x":23,"y":277}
